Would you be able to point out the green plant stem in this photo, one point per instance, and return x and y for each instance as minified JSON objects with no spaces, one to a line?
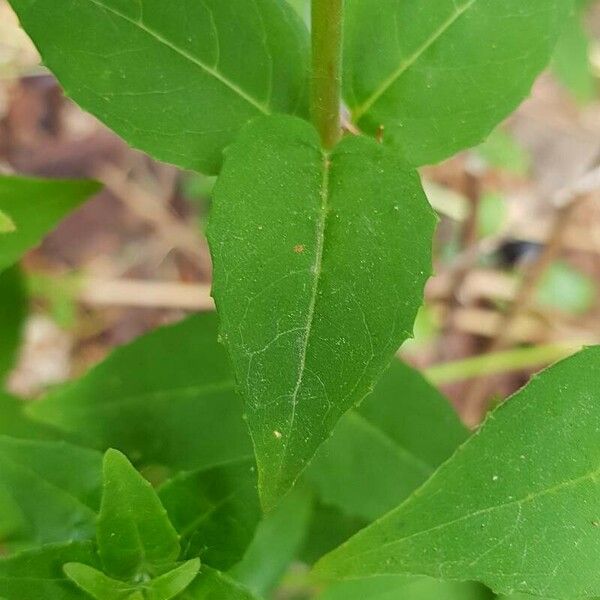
{"x":499,"y":362}
{"x":326,"y":92}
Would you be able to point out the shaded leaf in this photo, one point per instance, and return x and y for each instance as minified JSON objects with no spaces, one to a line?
{"x":507,"y":509}
{"x":379,"y":453}
{"x":276,"y":543}
{"x":320,"y":263}
{"x":157,"y":400}
{"x":36,"y":206}
{"x":215,"y":511}
{"x":13,"y":309}
{"x":440,"y":76}
{"x":51,"y":488}
{"x":176,"y":80}
{"x":38,"y":574}
{"x":15,"y":423}
{"x":214,"y":585}
{"x":134,"y":534}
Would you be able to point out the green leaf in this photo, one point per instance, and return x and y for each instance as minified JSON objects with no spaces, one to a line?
{"x":492,"y":214}
{"x":508,"y":509}
{"x":96,"y":583}
{"x":406,"y":428}
{"x":276,"y":543}
{"x":101,"y":587}
{"x":215,"y":511}
{"x":439,"y":77}
{"x":502,"y":151}
{"x":36,"y":206}
{"x":566,"y":289}
{"x":38,"y":574}
{"x":320,"y":262}
{"x":393,"y":587}
{"x":54,"y":489}
{"x":15,"y":423}
{"x":214,"y":585}
{"x":159,"y":400}
{"x":13,"y":300}
{"x":571,"y":63}
{"x":6,"y":224}
{"x":134,"y":534}
{"x":177,"y":80}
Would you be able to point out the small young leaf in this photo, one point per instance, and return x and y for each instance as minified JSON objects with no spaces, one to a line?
{"x":379,"y":453}
{"x":54,"y":486}
{"x":177,"y":79}
{"x":215,"y":511}
{"x":13,"y":307}
{"x":440,"y":76}
{"x":516,"y":507}
{"x":101,"y":587}
{"x":320,"y":262}
{"x":96,"y":583}
{"x":7,"y":225}
{"x":38,"y":574}
{"x":35,"y":207}
{"x":214,"y":585}
{"x":167,"y":398}
{"x":134,"y":534}
{"x":174,"y":582}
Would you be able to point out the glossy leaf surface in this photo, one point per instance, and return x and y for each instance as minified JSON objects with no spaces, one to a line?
{"x":320,"y":263}
{"x":439,"y":76}
{"x":35,"y":207}
{"x":179,"y":79}
{"x":527,"y":480}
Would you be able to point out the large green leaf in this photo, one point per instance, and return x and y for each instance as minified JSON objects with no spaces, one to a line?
{"x":38,"y":574}
{"x":13,"y":308}
{"x":134,"y":534}
{"x":380,"y":452}
{"x":439,"y":76}
{"x":215,"y":511}
{"x":214,"y":585}
{"x":35,"y":206}
{"x":167,"y":398}
{"x":51,"y":489}
{"x":276,"y":543}
{"x":395,"y":587}
{"x":320,"y":262}
{"x":175,"y":79}
{"x":517,"y":505}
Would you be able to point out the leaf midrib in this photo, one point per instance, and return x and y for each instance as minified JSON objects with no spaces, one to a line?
{"x":407,"y":63}
{"x":591,"y":476}
{"x":316,"y":269}
{"x":188,"y":56}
